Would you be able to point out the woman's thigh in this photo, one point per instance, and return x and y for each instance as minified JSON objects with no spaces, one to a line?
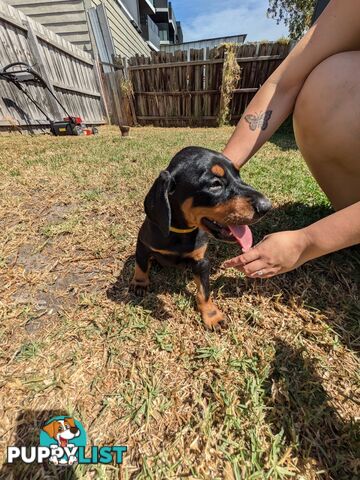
{"x":327,"y":127}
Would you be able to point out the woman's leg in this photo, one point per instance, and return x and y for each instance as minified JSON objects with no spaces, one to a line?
{"x":327,"y":127}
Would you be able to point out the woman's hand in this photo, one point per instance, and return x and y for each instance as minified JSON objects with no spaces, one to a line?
{"x":283,"y":251}
{"x":275,"y":254}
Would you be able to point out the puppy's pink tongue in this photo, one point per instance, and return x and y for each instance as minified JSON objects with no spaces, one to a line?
{"x":243,"y":236}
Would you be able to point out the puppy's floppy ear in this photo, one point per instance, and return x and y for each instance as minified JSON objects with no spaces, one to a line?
{"x":70,"y":421}
{"x":157,"y":206}
{"x":50,"y":429}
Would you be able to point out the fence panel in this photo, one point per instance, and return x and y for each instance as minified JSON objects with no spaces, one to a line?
{"x":169,"y":90}
{"x":119,"y":97}
{"x":257,"y":62}
{"x":69,"y":71}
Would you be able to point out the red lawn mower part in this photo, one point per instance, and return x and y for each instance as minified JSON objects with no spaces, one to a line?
{"x":20,"y":73}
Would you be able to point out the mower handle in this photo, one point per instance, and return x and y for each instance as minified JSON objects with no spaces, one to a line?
{"x":11,"y":76}
{"x":28,"y":67}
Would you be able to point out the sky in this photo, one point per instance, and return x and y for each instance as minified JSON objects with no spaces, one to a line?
{"x":215,"y":18}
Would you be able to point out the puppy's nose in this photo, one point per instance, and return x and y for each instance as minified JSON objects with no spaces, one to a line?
{"x":74,"y":429}
{"x":262,"y":205}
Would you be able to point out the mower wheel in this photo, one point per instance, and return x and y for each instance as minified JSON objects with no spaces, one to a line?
{"x":77,"y":130}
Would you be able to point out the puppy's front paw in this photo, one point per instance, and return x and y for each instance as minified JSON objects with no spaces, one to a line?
{"x":140,"y":289}
{"x":72,"y":460}
{"x":213,"y":318}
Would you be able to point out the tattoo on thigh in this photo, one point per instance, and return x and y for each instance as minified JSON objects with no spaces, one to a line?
{"x":259,"y":120}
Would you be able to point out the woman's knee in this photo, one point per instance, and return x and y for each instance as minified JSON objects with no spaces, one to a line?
{"x":327,"y":125}
{"x":327,"y":110}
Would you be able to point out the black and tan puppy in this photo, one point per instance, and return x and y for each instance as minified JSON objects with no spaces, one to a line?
{"x":200,"y":193}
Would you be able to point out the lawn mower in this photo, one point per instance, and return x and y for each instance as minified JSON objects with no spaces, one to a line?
{"x":20,"y":73}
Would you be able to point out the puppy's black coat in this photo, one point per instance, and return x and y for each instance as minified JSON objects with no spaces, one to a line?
{"x":200,"y":193}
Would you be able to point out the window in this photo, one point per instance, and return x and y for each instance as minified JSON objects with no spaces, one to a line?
{"x":132,"y":8}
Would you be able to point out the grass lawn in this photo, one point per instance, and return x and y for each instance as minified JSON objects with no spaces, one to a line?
{"x":273,"y":395}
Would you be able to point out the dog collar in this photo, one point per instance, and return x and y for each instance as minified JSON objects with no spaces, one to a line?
{"x":183,"y":230}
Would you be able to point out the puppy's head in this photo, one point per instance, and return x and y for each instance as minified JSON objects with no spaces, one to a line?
{"x":204,"y":189}
{"x":62,"y":430}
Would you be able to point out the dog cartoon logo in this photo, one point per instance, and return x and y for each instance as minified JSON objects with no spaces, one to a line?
{"x":63,"y":435}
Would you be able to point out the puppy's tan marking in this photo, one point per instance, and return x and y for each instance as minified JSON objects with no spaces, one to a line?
{"x":163,"y":252}
{"x":237,"y":211}
{"x":209,"y":312}
{"x":140,"y":278}
{"x":197,"y":254}
{"x":218,"y":170}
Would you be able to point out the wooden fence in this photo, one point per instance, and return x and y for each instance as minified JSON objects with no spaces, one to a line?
{"x":118,"y":96}
{"x":69,"y":71}
{"x":167,"y":89}
{"x":171,"y":91}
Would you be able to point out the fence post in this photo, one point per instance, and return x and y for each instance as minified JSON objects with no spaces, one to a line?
{"x":131,"y":96}
{"x":100,"y":83}
{"x":36,"y":54}
{"x":222,"y":99}
{"x":97,"y":62}
{"x":230,"y":77}
{"x":115,"y":85}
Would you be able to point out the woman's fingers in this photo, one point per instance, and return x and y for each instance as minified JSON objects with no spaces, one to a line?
{"x":243,"y":259}
{"x":255,"y":269}
{"x":276,"y":254}
{"x":252,"y":263}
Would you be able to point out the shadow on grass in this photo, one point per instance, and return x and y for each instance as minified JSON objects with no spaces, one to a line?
{"x":285,"y":142}
{"x":28,"y":426}
{"x":284,"y":137}
{"x":299,"y":406}
{"x":330,"y":284}
{"x":163,"y":280}
{"x":317,"y":289}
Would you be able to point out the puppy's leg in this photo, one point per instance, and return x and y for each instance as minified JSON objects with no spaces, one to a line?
{"x":208,"y":310}
{"x":140,"y":281}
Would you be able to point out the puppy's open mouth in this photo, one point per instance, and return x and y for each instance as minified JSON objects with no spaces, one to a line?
{"x":229,"y":233}
{"x":63,"y":442}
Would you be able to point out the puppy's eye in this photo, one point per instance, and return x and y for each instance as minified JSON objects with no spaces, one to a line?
{"x":67,"y":427}
{"x":216,"y":184}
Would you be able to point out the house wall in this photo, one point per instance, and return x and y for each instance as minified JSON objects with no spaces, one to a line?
{"x":69,"y":71}
{"x":68,"y":19}
{"x":127,"y":41}
{"x":64,"y":17}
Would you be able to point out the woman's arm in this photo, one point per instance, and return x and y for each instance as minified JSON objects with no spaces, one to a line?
{"x":284,"y":251}
{"x":332,"y":233}
{"x":336,"y":30}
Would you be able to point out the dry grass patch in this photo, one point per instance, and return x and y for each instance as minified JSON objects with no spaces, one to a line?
{"x":274,"y":395}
